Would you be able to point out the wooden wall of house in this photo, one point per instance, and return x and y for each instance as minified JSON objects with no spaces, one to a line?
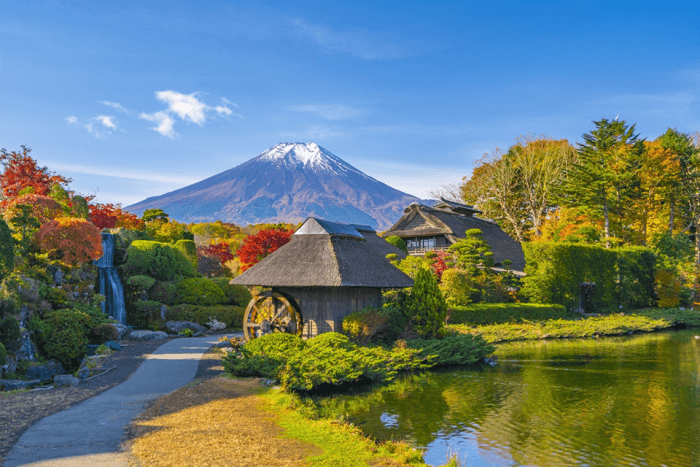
{"x":323,"y":308}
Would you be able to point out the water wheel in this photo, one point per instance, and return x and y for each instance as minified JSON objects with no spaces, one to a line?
{"x":270,"y":312}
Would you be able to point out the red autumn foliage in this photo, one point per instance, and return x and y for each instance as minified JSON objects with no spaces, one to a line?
{"x":71,"y":239}
{"x":21,"y":171}
{"x":438,"y":264}
{"x":220,"y":251}
{"x":107,"y":216}
{"x":256,"y":247}
{"x":43,"y":207}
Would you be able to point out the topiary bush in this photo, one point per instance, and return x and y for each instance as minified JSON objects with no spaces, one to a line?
{"x":199,"y":291}
{"x":189,"y":250}
{"x":141,"y":282}
{"x":235,"y":294}
{"x":161,"y":261}
{"x":398,"y":242}
{"x":263,"y":356}
{"x":460,"y":349}
{"x":146,"y":313}
{"x":64,"y":335}
{"x":497,"y":313}
{"x":232,"y":316}
{"x":163,"y":292}
{"x":103,"y":333}
{"x":426,"y":309}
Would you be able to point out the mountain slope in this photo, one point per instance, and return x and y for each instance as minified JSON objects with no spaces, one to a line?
{"x":287,"y":183}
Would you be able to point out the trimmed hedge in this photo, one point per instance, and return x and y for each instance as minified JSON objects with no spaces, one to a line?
{"x":231,"y":315}
{"x":164,"y":292}
{"x":189,"y":250}
{"x":623,"y":276}
{"x":161,"y":261}
{"x":398,"y":242}
{"x":199,"y":291}
{"x":235,"y":294}
{"x":497,"y":313}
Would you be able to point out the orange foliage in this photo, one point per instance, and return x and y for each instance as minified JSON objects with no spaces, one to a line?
{"x":258,"y":246}
{"x":43,"y":207}
{"x":72,"y":240}
{"x":107,"y":216}
{"x":668,"y":289}
{"x":568,"y":224}
{"x":21,"y":171}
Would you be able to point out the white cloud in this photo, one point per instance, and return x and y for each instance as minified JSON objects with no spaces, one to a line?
{"x":120,"y":173}
{"x":188,"y":108}
{"x":165,"y":123}
{"x":327,"y":111}
{"x":106,"y":121}
{"x":117,"y":106}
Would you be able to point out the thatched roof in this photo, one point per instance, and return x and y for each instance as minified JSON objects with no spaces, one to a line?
{"x":423,"y":221}
{"x":328,"y":254}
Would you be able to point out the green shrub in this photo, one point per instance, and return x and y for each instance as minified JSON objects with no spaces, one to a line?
{"x":189,"y":250}
{"x":141,"y":282}
{"x":187,"y":332}
{"x":57,"y":298}
{"x":383,"y":324}
{"x":103,"y":333}
{"x":10,"y":332}
{"x":426,"y":309}
{"x":93,"y":311}
{"x":495,"y":313}
{"x":146,"y":313}
{"x":3,"y":356}
{"x":235,"y":294}
{"x":456,"y":286}
{"x":161,"y":261}
{"x":459,"y":349}
{"x":231,"y":315}
{"x":263,"y":356}
{"x":7,"y":253}
{"x":199,"y":291}
{"x":622,"y":277}
{"x":398,"y":242}
{"x":64,"y":335}
{"x":163,"y":292}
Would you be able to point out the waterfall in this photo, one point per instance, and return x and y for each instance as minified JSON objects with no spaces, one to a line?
{"x":110,"y":285}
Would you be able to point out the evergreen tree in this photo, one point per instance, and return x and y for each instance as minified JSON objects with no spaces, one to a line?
{"x":427,"y":310}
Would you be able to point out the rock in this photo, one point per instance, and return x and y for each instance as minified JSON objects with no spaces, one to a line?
{"x":223,"y":344}
{"x":45,"y":372}
{"x":14,"y":384}
{"x":216,"y":325}
{"x":122,"y":328}
{"x":58,"y":277}
{"x":114,"y":345}
{"x":11,"y":365}
{"x":147,"y":335}
{"x":177,"y":326}
{"x":493,"y":361}
{"x":163,"y":312}
{"x":61,"y":381}
{"x":27,"y":348}
{"x":29,"y":290}
{"x":83,"y":373}
{"x":268,"y":382}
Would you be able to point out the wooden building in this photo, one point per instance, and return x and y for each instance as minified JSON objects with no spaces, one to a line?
{"x":426,"y":228}
{"x":327,"y":270}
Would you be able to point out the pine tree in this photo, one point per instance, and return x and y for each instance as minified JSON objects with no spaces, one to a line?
{"x":427,"y":309}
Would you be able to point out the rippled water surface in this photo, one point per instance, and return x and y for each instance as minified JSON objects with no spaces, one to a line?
{"x":596,"y":402}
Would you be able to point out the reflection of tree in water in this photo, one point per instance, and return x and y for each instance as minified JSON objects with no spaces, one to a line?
{"x":620,"y":401}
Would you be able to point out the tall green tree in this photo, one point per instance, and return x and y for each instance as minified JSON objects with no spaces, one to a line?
{"x":606,"y":175}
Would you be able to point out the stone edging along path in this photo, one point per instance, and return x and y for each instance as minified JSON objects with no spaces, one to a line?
{"x":91,"y":432}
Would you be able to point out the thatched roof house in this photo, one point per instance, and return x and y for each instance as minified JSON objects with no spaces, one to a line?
{"x":426,"y":228}
{"x":330,"y":269}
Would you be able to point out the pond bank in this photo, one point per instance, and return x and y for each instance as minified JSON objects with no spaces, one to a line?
{"x":648,"y":320}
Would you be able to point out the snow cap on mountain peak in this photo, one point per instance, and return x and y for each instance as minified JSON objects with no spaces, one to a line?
{"x":309,"y":155}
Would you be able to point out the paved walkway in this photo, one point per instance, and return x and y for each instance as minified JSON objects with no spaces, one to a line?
{"x":91,"y":432}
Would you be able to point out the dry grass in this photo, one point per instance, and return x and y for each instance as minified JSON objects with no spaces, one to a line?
{"x":216,"y":423}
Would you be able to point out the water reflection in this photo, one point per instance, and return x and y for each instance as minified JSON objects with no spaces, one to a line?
{"x":615,"y":401}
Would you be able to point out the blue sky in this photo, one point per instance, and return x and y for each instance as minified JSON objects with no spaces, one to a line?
{"x":135,"y":99}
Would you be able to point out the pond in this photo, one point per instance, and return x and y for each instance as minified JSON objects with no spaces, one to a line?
{"x":624,"y":401}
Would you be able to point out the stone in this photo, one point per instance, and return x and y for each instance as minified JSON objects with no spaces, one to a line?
{"x":27,"y":348}
{"x":122,"y":328}
{"x":83,"y":373}
{"x":223,"y":345}
{"x":29,"y":290}
{"x":163,"y":312}
{"x":216,"y":325}
{"x":11,"y":365}
{"x":61,"y":381}
{"x":45,"y":372}
{"x":114,"y":345}
{"x":58,"y":277}
{"x":178,"y":326}
{"x":143,"y":335}
{"x":14,"y":384}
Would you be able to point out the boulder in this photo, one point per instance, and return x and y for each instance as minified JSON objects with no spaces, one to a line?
{"x":177,"y":326}
{"x":61,"y":381}
{"x":83,"y":373}
{"x":11,"y":365}
{"x":147,"y":335}
{"x":45,"y":372}
{"x":216,"y":325}
{"x":14,"y":384}
{"x":122,"y":328}
{"x":163,"y":312}
{"x":114,"y":345}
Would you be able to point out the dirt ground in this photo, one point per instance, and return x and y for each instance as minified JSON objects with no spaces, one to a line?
{"x":21,"y":410}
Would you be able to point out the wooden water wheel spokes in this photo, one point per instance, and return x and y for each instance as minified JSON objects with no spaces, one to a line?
{"x":270,"y":312}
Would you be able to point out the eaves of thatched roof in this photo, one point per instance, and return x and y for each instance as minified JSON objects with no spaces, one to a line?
{"x":327,"y":254}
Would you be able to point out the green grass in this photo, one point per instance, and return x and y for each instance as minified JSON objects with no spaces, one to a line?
{"x":625,"y":323}
{"x":498,"y":313}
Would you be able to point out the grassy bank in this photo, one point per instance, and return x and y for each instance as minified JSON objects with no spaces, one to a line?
{"x":227,"y":421}
{"x":624,"y":323}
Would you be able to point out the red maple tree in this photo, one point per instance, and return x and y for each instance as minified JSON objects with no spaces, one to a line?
{"x":43,"y":207}
{"x":220,"y":251}
{"x":71,"y":239}
{"x":438,"y":265}
{"x":21,"y":171}
{"x":258,"y":246}
{"x":107,"y":216}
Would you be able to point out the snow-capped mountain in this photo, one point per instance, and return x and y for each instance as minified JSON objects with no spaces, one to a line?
{"x":287,"y":183}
